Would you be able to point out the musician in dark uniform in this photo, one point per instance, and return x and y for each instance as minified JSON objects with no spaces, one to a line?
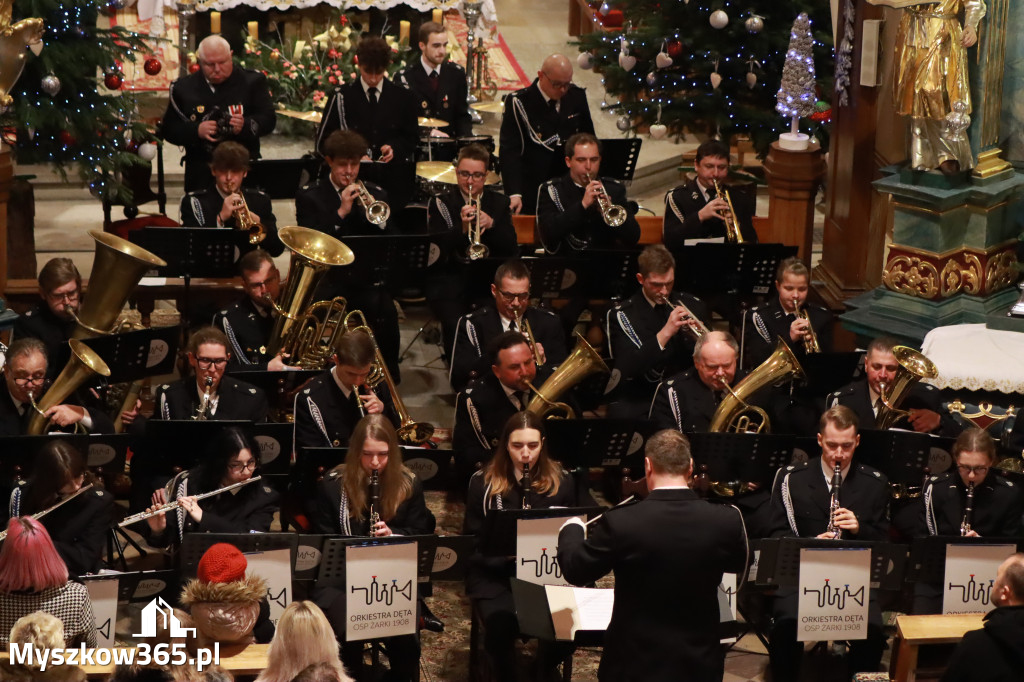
{"x":217,"y":103}
{"x":651,"y":335}
{"x":667,"y":572}
{"x":235,"y":458}
{"x":536,"y":122}
{"x":501,"y":485}
{"x":438,"y":84}
{"x":78,"y":527}
{"x":475,"y":331}
{"x":51,"y":320}
{"x":216,"y":206}
{"x":452,"y":220}
{"x":695,"y":211}
{"x":801,"y":507}
{"x":343,"y":508}
{"x":331,"y":205}
{"x":247,"y":322}
{"x":568,"y":207}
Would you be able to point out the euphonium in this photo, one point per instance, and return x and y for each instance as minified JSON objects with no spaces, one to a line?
{"x":476,"y":249}
{"x":810,"y":339}
{"x":83,"y":365}
{"x":581,"y":363}
{"x":202,"y":412}
{"x":833,"y":503}
{"x":733,"y":234}
{"x":526,"y":485}
{"x":613,"y":215}
{"x":244,"y":221}
{"x":526,"y":330}
{"x":965,"y":523}
{"x":731,"y":413}
{"x":316,"y":333}
{"x":377,"y":212}
{"x":374,"y":494}
{"x":913,"y":366}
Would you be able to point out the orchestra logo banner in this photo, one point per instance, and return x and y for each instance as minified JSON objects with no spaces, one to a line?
{"x":537,"y":550}
{"x":970,"y":572}
{"x":833,"y":594}
{"x":380,"y":590}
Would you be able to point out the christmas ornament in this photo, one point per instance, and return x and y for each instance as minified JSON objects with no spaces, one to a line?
{"x":623,"y":123}
{"x":751,"y":79}
{"x":113,"y":80}
{"x":754,"y":24}
{"x":147,"y":150}
{"x":652,"y":79}
{"x":152,"y":66}
{"x":627,"y":61}
{"x":66,"y":138}
{"x":192,"y":68}
{"x":585,"y":61}
{"x":663,"y":60}
{"x":50,"y":85}
{"x":658,"y":129}
{"x":604,"y":9}
{"x":674,"y":48}
{"x":719,"y":19}
{"x":115,"y":5}
{"x":716,"y":79}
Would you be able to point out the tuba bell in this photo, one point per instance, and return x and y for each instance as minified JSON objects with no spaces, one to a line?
{"x":581,"y":363}
{"x":913,"y":366}
{"x":733,"y":412}
{"x":83,"y":365}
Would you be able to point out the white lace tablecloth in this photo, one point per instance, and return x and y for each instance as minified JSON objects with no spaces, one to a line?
{"x":976,"y":358}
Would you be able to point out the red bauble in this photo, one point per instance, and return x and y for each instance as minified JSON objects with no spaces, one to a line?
{"x":113,"y":80}
{"x":674,"y":48}
{"x":152,"y":66}
{"x":192,"y":68}
{"x":66,"y":138}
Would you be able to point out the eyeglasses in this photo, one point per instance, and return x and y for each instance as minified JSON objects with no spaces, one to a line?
{"x":466,"y":175}
{"x":68,"y":296}
{"x":558,"y":85}
{"x":235,"y":467}
{"x":967,"y":471}
{"x":509,"y":296}
{"x":205,"y":363}
{"x":32,"y":380}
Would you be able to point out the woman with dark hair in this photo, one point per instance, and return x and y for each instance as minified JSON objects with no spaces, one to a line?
{"x":235,"y":458}
{"x":342,"y":507}
{"x":79,"y":527}
{"x":34,"y":578}
{"x":500,"y":485}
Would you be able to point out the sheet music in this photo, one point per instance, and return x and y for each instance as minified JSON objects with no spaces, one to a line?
{"x":579,"y":608}
{"x":707,"y":240}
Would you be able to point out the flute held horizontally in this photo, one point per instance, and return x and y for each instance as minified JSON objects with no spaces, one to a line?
{"x":174,"y":504}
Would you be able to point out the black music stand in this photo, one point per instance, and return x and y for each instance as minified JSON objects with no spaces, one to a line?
{"x":742,"y":457}
{"x":533,"y":611}
{"x":391,"y":261}
{"x":928,"y":555}
{"x":903,"y":455}
{"x":194,"y":545}
{"x":619,"y":157}
{"x":828,"y":372}
{"x":779,"y":561}
{"x":747,"y":270}
{"x":138,"y":354}
{"x":499,"y":536}
{"x":609,"y":274}
{"x":332,"y":563}
{"x":280,"y":387}
{"x":550,"y":277}
{"x":275,"y":444}
{"x":451,"y":557}
{"x":139,"y":587}
{"x":598,"y":442}
{"x":172,"y":442}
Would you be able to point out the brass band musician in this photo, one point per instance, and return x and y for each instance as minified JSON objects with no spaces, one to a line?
{"x":248,"y":322}
{"x":789,"y":316}
{"x":52,"y":320}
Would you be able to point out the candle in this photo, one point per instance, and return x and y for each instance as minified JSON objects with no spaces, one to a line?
{"x":438,"y":16}
{"x":403,"y":32}
{"x":254,"y":30}
{"x":214,"y":22}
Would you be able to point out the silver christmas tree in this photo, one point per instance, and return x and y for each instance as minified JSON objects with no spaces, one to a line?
{"x":796,"y":97}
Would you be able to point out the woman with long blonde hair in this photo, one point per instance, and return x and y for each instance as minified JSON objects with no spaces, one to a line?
{"x":303,"y":637}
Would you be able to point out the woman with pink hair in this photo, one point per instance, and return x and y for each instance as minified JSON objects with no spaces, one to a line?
{"x":34,"y":578}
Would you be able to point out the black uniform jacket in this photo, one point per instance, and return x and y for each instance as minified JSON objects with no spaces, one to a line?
{"x":317,"y":204}
{"x":411,"y":518}
{"x":800,"y":501}
{"x":668,"y":553}
{"x":640,"y":362}
{"x":993,"y":653}
{"x":40,"y":323}
{"x":487,"y":576}
{"x":14,"y":424}
{"x":856,"y":396}
{"x":78,"y":528}
{"x":681,"y":222}
{"x":447,"y":103}
{"x":248,"y":328}
{"x":533,"y":135}
{"x":324,"y":417}
{"x":561,"y":218}
{"x":476,"y":329}
{"x":769,"y":322}
{"x":238,"y":401}
{"x":996,"y":510}
{"x":193,"y":100}
{"x":445,"y":221}
{"x":200,"y":209}
{"x":393,"y":122}
{"x":247,"y":509}
{"x":684,"y":403}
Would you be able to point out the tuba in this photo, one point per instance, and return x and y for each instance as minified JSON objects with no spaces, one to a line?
{"x":581,"y":363}
{"x":733,"y":234}
{"x":732,"y":413}
{"x":83,"y":365}
{"x":313,"y":253}
{"x":914,"y":366}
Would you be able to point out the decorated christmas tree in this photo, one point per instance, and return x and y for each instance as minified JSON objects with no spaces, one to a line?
{"x":68,"y":106}
{"x":712,"y":67}
{"x":795,"y":99}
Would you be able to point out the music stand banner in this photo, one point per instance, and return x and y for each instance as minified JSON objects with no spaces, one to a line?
{"x":103,"y":592}
{"x":833,"y":594}
{"x":970,"y":572}
{"x":537,"y":550}
{"x":274,"y":566}
{"x":381,"y":591}
{"x":727,"y":603}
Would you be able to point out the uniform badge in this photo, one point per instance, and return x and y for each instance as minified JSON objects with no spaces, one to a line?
{"x":337,"y":442}
{"x":444,"y":102}
{"x":694,"y":196}
{"x":200,"y":109}
{"x":236,"y":110}
{"x":263,"y":350}
{"x":425,"y":105}
{"x":192,"y":117}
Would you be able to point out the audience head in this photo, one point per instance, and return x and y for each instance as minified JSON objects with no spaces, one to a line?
{"x":656,"y":272}
{"x":975,"y":454}
{"x":714,"y":357}
{"x":343,"y":150}
{"x":511,"y":361}
{"x":792,"y":280}
{"x":583,"y":157}
{"x":511,"y":288}
{"x":28,"y":560}
{"x":555,"y":76}
{"x":208,"y":356}
{"x":837,"y":436}
{"x":667,"y":458}
{"x":712,"y":162}
{"x":25,"y":369}
{"x":433,"y":40}
{"x":60,"y":286}
{"x":1008,"y":589}
{"x":214,"y":54}
{"x":303,"y":637}
{"x":260,"y":277}
{"x":40,"y":629}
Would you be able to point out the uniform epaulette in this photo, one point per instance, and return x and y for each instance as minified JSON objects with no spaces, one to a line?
{"x":165,"y":386}
{"x":267,"y":490}
{"x":455,"y":65}
{"x":790,"y":468}
{"x":333,"y":474}
{"x":543,"y":311}
{"x":468,"y":390}
{"x":308,"y":185}
{"x":670,"y":382}
{"x":869,"y":471}
{"x":198,"y":193}
{"x":30,"y":313}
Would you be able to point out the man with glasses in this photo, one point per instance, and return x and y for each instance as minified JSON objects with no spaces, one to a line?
{"x":52,"y":321}
{"x":452,"y":219}
{"x":475,"y":330}
{"x":217,"y":103}
{"x":534,"y":127}
{"x":247,"y":322}
{"x":438,"y":84}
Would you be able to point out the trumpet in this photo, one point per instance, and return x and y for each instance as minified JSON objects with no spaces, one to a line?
{"x":476,"y":249}
{"x":377,"y":212}
{"x":526,"y":485}
{"x":612,"y":214}
{"x":201,"y":414}
{"x":833,"y":503}
{"x":524,"y":328}
{"x":41,"y":514}
{"x":733,"y":235}
{"x":810,"y":340}
{"x":374,"y":494}
{"x":965,"y":523}
{"x":245,"y":222}
{"x":174,"y":504}
{"x":698,"y":330}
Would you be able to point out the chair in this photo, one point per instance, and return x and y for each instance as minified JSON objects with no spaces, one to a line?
{"x":137,"y":178}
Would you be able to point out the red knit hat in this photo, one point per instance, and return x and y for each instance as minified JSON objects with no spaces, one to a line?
{"x":222,"y":563}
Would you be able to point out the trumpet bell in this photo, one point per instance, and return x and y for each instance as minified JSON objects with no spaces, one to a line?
{"x":913,"y":366}
{"x":477,"y":251}
{"x":581,"y":363}
{"x":734,"y":412}
{"x":416,"y":433}
{"x":315,"y":246}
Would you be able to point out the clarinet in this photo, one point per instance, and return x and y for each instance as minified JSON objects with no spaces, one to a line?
{"x":833,"y":504}
{"x":374,"y":499}
{"x":965,"y":524}
{"x":526,"y":485}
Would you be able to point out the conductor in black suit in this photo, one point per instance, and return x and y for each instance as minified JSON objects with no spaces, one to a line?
{"x":52,"y":320}
{"x":695,"y":211}
{"x":801,"y":508}
{"x":668,"y":553}
{"x":438,"y":84}
{"x":534,"y":127}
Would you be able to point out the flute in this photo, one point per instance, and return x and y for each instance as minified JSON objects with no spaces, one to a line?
{"x":168,"y":506}
{"x":39,"y":515}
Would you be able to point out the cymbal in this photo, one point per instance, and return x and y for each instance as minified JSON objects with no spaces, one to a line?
{"x":444,"y":172}
{"x":431,"y":122}
{"x":311,"y":116}
{"x":488,"y":107}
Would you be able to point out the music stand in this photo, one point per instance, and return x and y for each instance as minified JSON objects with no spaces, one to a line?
{"x":451,"y":557}
{"x":928,"y":555}
{"x":746,"y":269}
{"x":332,"y":563}
{"x":901,"y":455}
{"x":172,"y":442}
{"x":747,"y":457}
{"x":386,"y":260}
{"x":279,"y":387}
{"x":194,"y":546}
{"x":828,"y":372}
{"x":138,"y":354}
{"x":104,"y":452}
{"x":619,"y":157}
{"x":533,"y":611}
{"x":500,"y":532}
{"x":609,"y":274}
{"x":598,"y":442}
{"x":275,"y":444}
{"x":143,"y":586}
{"x":779,"y":562}
{"x":550,"y":277}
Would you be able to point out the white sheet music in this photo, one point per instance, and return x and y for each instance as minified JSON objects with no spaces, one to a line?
{"x":579,"y":608}
{"x":706,"y":240}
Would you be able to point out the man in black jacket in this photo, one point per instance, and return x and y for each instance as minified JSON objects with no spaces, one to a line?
{"x":52,"y":320}
{"x":438,"y":84}
{"x":996,"y":652}
{"x":668,"y":553}
{"x":248,"y":322}
{"x":217,"y":103}
{"x":651,"y":334}
{"x":536,"y":122}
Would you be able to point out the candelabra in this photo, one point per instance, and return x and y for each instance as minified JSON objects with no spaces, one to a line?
{"x":471,"y":10}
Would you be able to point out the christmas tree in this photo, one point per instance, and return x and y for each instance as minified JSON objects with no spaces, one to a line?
{"x":713,"y":66}
{"x":796,"y":95}
{"x":69,"y":109}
